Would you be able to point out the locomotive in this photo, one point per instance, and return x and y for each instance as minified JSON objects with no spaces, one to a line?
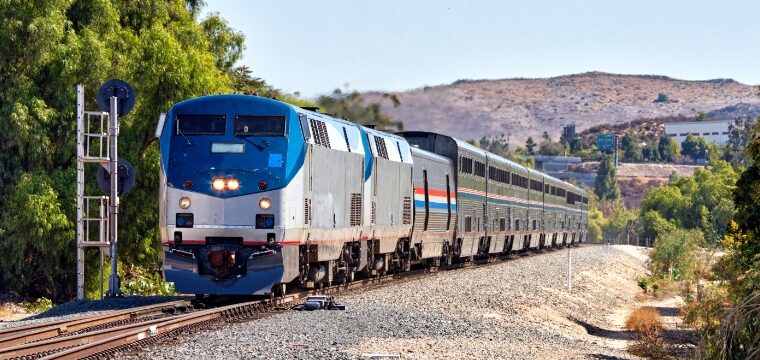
{"x":257,"y":195}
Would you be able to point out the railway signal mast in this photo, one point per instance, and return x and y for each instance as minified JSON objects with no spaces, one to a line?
{"x":97,"y":141}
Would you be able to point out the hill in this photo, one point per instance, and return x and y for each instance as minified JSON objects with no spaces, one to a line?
{"x":528,"y":107}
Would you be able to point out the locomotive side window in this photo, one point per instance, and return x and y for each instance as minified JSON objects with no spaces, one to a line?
{"x":259,"y":125}
{"x":305,"y":127}
{"x":201,"y":124}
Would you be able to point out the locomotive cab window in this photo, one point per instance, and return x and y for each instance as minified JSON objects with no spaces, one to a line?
{"x":259,"y":125}
{"x":201,"y":124}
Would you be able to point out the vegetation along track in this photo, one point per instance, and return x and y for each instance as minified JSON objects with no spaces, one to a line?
{"x":107,"y":334}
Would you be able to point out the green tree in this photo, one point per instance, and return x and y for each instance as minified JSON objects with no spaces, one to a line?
{"x":739,"y":135}
{"x":668,"y":202}
{"x":653,"y":224}
{"x":746,"y":198}
{"x":46,"y":48}
{"x":530,"y":145}
{"x":674,"y":252}
{"x":605,"y":185}
{"x":668,"y":148}
{"x":662,"y":97}
{"x":650,"y":153}
{"x":695,"y":147}
{"x":225,"y":44}
{"x":630,"y":148}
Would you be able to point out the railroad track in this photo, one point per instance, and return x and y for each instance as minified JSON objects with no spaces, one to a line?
{"x":107,"y":334}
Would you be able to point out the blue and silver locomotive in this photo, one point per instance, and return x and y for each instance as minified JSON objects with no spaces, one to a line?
{"x":258,"y":195}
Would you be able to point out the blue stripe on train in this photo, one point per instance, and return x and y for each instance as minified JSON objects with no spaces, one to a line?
{"x":420,"y":204}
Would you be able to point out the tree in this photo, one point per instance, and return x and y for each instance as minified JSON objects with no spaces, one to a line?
{"x":668,"y":148}
{"x":630,"y":148}
{"x":746,"y":198}
{"x":695,"y":147}
{"x":653,"y":225}
{"x":674,"y":252}
{"x":226,"y":44}
{"x":605,"y":185}
{"x":739,"y":135}
{"x":530,"y":144}
{"x":45,"y":51}
{"x":650,"y":153}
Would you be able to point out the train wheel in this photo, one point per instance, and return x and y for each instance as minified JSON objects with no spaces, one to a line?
{"x":280,"y":290}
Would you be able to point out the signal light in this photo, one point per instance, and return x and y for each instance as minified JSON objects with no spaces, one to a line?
{"x":263,"y":185}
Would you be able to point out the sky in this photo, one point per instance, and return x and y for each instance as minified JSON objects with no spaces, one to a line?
{"x":314,"y":47}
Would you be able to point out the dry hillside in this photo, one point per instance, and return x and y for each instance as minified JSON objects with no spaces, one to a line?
{"x":528,"y":107}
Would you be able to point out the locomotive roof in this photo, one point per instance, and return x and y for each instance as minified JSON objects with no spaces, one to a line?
{"x":429,"y":155}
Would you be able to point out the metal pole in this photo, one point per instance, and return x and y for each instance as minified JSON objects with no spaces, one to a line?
{"x":114,"y":285}
{"x":569,"y":271}
{"x":103,"y":235}
{"x":80,"y":192}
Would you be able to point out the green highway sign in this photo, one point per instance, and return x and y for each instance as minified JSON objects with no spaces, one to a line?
{"x":605,"y":142}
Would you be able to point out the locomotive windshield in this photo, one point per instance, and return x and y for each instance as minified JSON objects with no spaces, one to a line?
{"x":259,"y":126}
{"x":201,"y":124}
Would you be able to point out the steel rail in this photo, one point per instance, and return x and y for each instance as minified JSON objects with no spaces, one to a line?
{"x":35,"y":332}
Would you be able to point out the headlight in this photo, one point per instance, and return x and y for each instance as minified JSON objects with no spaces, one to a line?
{"x":184,"y":202}
{"x":265,"y":204}
{"x":218,"y":184}
{"x":233,"y":184}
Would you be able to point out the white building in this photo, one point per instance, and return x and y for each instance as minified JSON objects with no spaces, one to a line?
{"x":715,"y":131}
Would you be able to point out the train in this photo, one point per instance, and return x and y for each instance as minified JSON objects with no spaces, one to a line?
{"x":258,"y":196}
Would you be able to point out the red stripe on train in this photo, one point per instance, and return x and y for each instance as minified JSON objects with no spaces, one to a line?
{"x":433,"y":192}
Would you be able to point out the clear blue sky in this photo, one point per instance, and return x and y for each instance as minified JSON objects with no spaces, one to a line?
{"x":315,"y":46}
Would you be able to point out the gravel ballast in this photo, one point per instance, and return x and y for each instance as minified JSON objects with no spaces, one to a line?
{"x":517,"y":309}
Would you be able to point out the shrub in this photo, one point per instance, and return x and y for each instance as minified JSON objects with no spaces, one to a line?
{"x":646,"y":323}
{"x":40,"y":305}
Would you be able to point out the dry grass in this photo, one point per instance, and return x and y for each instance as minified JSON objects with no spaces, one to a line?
{"x":643,"y":297}
{"x":647,"y":324}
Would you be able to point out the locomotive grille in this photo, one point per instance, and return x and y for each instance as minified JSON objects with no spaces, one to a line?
{"x":356,"y":210}
{"x":382,"y":151}
{"x":320,"y":133}
{"x":407,"y":215}
{"x":306,"y":211}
